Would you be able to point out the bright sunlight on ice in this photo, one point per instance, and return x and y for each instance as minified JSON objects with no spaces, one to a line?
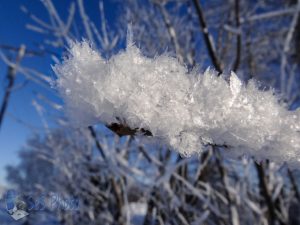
{"x":185,"y":109}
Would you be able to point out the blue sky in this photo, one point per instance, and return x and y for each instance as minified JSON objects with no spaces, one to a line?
{"x":13,"y":134}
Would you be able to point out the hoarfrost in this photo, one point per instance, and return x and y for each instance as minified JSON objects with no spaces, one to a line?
{"x":187,"y":110}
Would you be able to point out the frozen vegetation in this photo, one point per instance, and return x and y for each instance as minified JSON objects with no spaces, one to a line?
{"x":186,"y":109}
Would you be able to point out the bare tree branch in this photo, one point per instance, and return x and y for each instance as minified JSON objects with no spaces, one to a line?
{"x":236,"y":63}
{"x":11,"y":76}
{"x":98,"y":145}
{"x":207,"y":38}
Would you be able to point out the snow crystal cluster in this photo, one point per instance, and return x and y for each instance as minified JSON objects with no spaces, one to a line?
{"x":186,"y":109}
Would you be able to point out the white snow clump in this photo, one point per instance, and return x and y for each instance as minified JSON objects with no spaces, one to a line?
{"x":187,"y":110}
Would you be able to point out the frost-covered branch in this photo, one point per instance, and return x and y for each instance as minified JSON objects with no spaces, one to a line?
{"x":164,"y":190}
{"x":171,"y":31}
{"x":185,"y":109}
{"x":270,"y":15}
{"x":286,"y":48}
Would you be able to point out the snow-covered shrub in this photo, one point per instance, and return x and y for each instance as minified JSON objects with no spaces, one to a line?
{"x":139,"y":184}
{"x":187,"y":110}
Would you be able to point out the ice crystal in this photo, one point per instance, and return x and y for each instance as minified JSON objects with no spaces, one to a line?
{"x":187,"y":110}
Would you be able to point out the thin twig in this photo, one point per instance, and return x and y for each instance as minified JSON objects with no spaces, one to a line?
{"x":234,"y":219}
{"x":265,"y":192}
{"x":85,"y":21}
{"x":171,"y":32}
{"x":207,"y":38}
{"x":238,"y":37}
{"x":11,"y":76}
{"x":294,"y":185}
{"x":98,"y":145}
{"x":286,"y":49}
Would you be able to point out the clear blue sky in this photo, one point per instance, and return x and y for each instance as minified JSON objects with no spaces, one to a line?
{"x":13,"y":134}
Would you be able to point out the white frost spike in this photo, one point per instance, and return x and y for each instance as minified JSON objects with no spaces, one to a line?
{"x":235,"y":87}
{"x":235,"y":84}
{"x":159,"y":94}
